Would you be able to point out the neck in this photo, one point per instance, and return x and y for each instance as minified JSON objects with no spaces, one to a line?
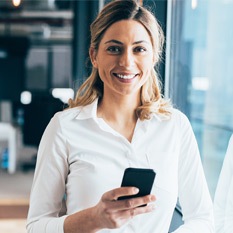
{"x":119,"y":113}
{"x":115,"y":107}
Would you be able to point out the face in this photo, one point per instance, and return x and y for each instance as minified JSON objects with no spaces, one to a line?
{"x":124,"y":58}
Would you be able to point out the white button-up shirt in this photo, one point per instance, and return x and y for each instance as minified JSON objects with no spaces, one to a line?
{"x":82,"y":156}
{"x":223,"y":201}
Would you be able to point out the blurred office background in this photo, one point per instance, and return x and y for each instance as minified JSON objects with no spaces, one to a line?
{"x":44,"y":59}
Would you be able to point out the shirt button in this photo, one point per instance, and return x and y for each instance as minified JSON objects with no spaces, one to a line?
{"x":128,"y":157}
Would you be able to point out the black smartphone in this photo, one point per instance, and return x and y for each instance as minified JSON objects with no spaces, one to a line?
{"x":142,"y":178}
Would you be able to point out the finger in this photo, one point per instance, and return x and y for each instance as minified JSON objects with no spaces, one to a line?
{"x":136,"y":202}
{"x":119,"y":192}
{"x":130,"y":213}
{"x":130,"y":203}
{"x":141,"y":210}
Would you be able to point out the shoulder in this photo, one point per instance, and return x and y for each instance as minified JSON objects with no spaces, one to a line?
{"x":62,"y":118}
{"x":180,"y":122}
{"x":175,"y":113}
{"x":68,"y":114}
{"x":176,"y":116}
{"x":176,"y":122}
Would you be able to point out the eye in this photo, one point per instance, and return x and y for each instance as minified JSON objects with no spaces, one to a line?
{"x":140,"y":49}
{"x":114,"y":49}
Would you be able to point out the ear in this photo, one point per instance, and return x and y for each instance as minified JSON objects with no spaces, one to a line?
{"x":92,"y":54}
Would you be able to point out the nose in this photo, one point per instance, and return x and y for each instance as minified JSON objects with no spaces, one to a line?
{"x":126,"y":59}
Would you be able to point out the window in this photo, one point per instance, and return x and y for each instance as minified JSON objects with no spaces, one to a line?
{"x":199,"y":75}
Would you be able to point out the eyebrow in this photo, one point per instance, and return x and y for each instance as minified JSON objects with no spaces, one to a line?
{"x":118,"y":42}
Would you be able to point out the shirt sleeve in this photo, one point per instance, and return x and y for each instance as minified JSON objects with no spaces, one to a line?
{"x":223,"y":201}
{"x":48,"y":186}
{"x":193,"y":193}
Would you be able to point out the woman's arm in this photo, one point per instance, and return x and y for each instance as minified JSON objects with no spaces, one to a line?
{"x":193,"y":192}
{"x":48,"y":186}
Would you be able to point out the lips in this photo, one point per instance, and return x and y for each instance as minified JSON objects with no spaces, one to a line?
{"x":125,"y":76}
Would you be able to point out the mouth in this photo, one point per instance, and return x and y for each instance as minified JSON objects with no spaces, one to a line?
{"x":125,"y":76}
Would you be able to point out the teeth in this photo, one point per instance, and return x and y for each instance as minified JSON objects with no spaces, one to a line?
{"x":125,"y":76}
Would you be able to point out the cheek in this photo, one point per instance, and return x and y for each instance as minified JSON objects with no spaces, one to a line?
{"x":102,"y":63}
{"x":103,"y":70}
{"x":146,"y":66}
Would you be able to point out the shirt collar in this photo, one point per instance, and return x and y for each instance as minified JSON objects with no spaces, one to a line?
{"x":88,"y":111}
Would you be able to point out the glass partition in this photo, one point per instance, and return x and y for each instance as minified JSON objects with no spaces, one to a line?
{"x":199,"y":76}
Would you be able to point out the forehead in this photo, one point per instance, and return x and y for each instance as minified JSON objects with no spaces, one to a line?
{"x":126,"y":30}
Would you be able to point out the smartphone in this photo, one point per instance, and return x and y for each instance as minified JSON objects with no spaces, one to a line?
{"x":141,"y":178}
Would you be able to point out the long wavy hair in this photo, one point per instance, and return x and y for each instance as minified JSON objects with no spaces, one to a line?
{"x":151,"y":97}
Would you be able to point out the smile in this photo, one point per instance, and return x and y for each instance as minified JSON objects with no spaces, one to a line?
{"x":123,"y":76}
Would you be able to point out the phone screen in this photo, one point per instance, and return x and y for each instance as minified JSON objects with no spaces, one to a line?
{"x":141,"y":178}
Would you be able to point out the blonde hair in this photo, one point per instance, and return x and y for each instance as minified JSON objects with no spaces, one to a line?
{"x":151,"y":98}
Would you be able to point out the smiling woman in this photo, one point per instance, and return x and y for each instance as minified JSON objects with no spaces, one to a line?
{"x":119,"y":119}
{"x":151,"y":48}
{"x":126,"y":59}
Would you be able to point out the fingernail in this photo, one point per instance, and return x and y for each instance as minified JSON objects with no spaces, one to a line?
{"x":136,"y":190}
{"x":152,"y":198}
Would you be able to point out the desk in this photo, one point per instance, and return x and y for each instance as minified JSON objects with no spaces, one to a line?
{"x":9,"y":133}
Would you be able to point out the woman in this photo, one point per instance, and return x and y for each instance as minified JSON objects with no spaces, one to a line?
{"x":223,"y":201}
{"x":118,"y":120}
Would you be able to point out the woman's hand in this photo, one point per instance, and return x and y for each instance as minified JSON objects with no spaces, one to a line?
{"x":109,"y":212}
{"x":112,"y":213}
